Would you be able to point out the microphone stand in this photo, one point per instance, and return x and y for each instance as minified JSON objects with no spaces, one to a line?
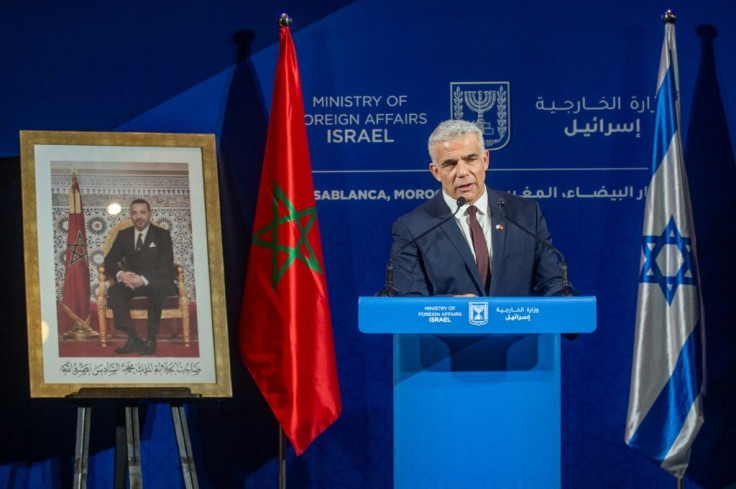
{"x":566,"y":290}
{"x":388,"y":289}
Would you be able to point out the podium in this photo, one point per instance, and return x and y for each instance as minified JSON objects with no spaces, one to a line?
{"x":477,"y":387}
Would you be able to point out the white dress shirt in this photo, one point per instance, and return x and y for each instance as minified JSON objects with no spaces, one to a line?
{"x":142,"y":234}
{"x":483,"y":215}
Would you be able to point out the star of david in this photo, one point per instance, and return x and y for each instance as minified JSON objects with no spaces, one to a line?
{"x":287,"y":222}
{"x":668,"y":249}
{"x":77,"y":251}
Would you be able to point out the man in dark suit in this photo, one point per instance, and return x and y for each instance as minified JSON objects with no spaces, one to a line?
{"x":491,"y":256}
{"x":142,"y":261}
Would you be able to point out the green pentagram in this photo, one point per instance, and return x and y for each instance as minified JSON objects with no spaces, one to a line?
{"x":78,"y":250}
{"x":302,"y":250}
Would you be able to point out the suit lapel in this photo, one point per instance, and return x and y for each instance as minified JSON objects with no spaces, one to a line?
{"x":128,"y":236}
{"x":150,"y":237}
{"x":452,"y":231}
{"x":498,"y":234}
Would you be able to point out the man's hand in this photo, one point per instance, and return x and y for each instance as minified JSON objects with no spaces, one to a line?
{"x":132,"y":280}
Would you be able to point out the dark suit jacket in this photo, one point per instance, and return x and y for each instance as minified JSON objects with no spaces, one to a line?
{"x":442,"y":262}
{"x":155,"y":261}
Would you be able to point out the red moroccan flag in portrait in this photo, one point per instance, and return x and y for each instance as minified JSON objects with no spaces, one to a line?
{"x":75,"y":302}
{"x":285,"y":335}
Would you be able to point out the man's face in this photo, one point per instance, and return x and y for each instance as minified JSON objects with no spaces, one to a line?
{"x":140,"y":214}
{"x":461,"y":167}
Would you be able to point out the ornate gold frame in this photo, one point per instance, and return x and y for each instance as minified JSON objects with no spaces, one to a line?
{"x":210,"y":203}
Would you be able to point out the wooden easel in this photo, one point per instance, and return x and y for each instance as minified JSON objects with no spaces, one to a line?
{"x":127,"y":434}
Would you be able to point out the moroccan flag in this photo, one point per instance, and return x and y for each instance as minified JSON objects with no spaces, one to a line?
{"x":75,"y":302}
{"x":667,"y":377}
{"x":285,"y":328}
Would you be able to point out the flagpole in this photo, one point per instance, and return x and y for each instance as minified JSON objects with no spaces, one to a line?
{"x":669,"y":17}
{"x":667,"y":379}
{"x":282,"y":459}
{"x":285,"y":339}
{"x":284,"y":20}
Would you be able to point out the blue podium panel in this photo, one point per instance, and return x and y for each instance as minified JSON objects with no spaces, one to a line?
{"x":477,"y":411}
{"x":477,"y":387}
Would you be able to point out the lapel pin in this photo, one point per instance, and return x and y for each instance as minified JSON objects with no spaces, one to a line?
{"x":500,"y":227}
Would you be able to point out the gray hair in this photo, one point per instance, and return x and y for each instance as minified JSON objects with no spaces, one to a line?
{"x":451,"y":129}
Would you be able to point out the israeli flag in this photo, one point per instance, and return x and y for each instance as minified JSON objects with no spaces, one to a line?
{"x":667,"y":378}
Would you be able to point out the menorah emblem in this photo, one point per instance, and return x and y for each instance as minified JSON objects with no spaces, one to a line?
{"x":481,"y":98}
{"x":478,"y":313}
{"x":480,"y":102}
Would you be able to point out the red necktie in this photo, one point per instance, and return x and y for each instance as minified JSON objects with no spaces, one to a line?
{"x":479,"y":246}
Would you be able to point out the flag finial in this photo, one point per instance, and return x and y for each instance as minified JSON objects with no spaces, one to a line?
{"x":284,"y":20}
{"x":668,"y":17}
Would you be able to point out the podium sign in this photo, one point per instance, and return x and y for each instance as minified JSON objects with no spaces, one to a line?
{"x":477,"y":387}
{"x":476,"y":315}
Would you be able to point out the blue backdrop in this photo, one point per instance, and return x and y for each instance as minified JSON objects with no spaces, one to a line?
{"x":574,"y":84}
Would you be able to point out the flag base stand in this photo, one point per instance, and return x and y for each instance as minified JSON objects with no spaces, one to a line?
{"x":81,"y":332}
{"x":127,"y":433}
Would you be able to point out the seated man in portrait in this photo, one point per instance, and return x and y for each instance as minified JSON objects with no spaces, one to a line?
{"x":141,"y":260}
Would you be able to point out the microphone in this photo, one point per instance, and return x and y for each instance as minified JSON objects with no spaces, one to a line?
{"x":388,"y":289}
{"x":566,"y":290}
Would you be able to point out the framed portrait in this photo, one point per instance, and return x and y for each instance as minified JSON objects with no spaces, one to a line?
{"x":108,"y":310}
